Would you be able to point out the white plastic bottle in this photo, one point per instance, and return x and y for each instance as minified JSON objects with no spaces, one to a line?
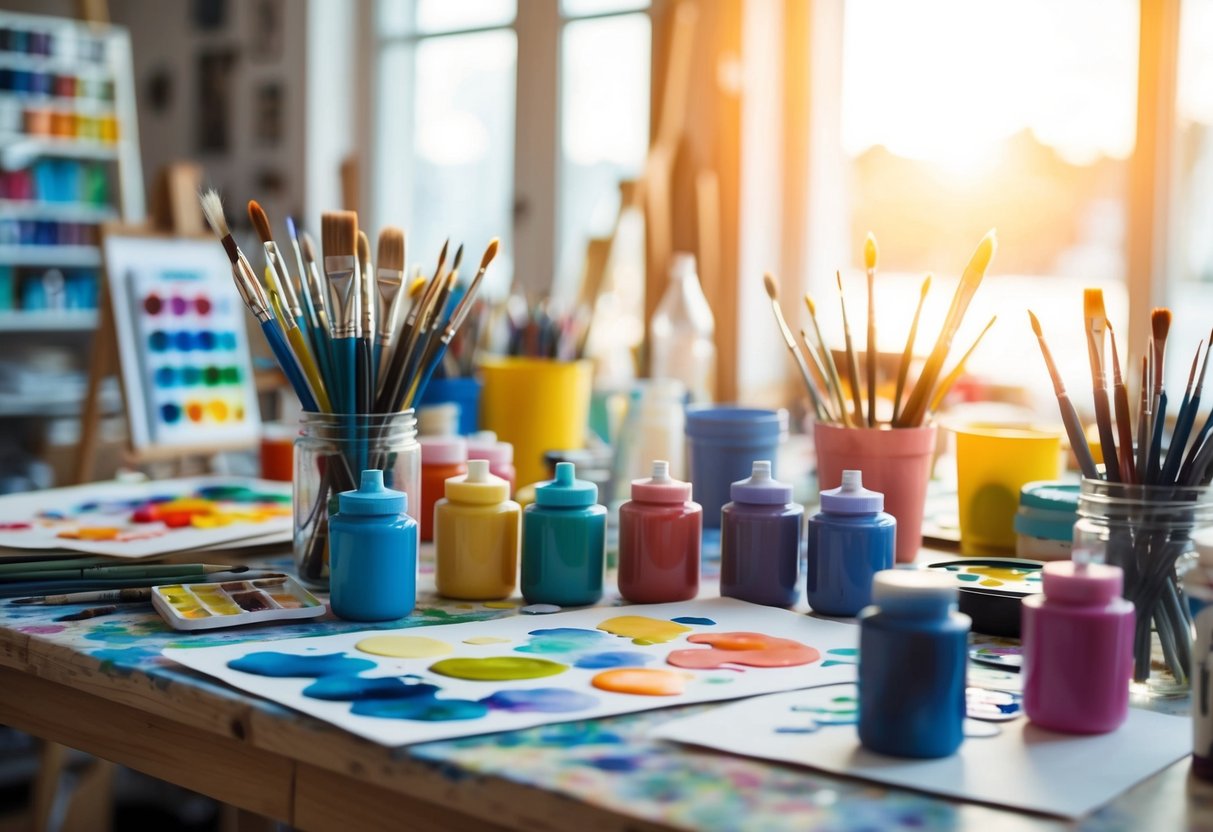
{"x":681,"y":333}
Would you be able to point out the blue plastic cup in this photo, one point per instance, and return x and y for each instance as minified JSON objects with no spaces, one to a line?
{"x":723,"y":445}
{"x":464,"y":392}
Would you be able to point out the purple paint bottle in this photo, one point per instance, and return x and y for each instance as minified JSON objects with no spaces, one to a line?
{"x":760,"y":541}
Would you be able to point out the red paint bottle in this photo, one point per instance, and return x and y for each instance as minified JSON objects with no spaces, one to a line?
{"x":442,"y":457}
{"x":659,"y":540}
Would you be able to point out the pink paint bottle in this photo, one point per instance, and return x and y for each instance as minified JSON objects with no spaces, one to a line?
{"x":485,"y":445}
{"x":1078,"y":649}
{"x":659,"y":538}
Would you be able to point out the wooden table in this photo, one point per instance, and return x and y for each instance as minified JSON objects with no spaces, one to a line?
{"x":101,"y":686}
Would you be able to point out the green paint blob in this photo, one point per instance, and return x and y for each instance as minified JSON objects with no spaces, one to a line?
{"x":969,"y":577}
{"x":498,"y":668}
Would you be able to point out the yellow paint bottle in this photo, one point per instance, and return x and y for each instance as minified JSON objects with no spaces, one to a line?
{"x":476,"y":535}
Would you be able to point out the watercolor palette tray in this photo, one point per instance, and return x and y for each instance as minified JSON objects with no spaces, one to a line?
{"x":991,"y":590}
{"x":417,"y":684}
{"x":205,"y":606}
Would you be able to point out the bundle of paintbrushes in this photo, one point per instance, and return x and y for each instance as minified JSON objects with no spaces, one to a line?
{"x":1152,"y":493}
{"x":839,"y":397}
{"x":514,"y":326}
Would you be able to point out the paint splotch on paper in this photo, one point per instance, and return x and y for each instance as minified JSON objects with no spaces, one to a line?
{"x":421,"y":709}
{"x":693,"y":620}
{"x":642,"y":681}
{"x":288,"y":665}
{"x":561,"y":640}
{"x":750,"y":649}
{"x":356,"y":688}
{"x":540,"y":700}
{"x":643,"y":630}
{"x":405,"y":647}
{"x":498,"y":668}
{"x":612,"y":658}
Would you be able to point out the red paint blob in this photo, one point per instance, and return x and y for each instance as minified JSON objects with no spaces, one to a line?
{"x":144,"y":514}
{"x":176,"y":519}
{"x":202,"y":305}
{"x":750,"y":649}
{"x":152,"y":304}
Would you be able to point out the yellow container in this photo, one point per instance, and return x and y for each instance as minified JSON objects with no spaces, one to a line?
{"x":537,"y":405}
{"x":992,"y":464}
{"x":476,"y":536}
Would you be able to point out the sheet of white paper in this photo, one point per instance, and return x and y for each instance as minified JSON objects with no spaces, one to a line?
{"x":30,"y":508}
{"x":702,"y":685}
{"x":1024,"y":767}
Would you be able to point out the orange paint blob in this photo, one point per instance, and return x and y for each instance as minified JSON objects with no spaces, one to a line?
{"x":750,"y":649}
{"x":194,"y":410}
{"x":91,"y":533}
{"x":642,"y":681}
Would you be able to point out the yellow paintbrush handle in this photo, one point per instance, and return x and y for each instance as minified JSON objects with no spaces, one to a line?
{"x":308,"y":363}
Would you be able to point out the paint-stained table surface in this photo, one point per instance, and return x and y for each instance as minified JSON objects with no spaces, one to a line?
{"x":101,"y":685}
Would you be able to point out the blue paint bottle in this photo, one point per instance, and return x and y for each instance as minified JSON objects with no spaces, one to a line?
{"x":372,"y":553}
{"x":913,"y":651}
{"x":564,"y":542}
{"x":760,"y":541}
{"x":850,"y":540}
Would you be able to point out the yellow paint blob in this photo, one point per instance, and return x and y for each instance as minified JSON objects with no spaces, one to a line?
{"x":486,"y":640}
{"x":405,"y":647}
{"x":644,"y":630}
{"x":500,"y":605}
{"x":174,"y":591}
{"x":642,"y":681}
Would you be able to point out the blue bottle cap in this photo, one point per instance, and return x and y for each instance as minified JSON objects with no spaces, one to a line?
{"x":851,"y":497}
{"x":761,"y":488}
{"x":566,"y":491}
{"x":914,"y":593}
{"x":1050,"y":496}
{"x":371,"y":497}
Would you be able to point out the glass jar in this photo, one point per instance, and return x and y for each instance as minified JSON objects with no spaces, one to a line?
{"x":1147,"y":531}
{"x":330,"y":452}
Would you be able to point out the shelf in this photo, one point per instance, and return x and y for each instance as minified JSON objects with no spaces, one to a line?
{"x":43,"y":320}
{"x":14,"y":404}
{"x":76,"y":104}
{"x":18,"y":150}
{"x":54,"y":63}
{"x":29,"y":209}
{"x":65,"y":256}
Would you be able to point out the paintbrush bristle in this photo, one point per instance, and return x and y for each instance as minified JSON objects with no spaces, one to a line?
{"x":838,"y":278}
{"x":1092,"y":304}
{"x":1035,"y":323}
{"x":416,"y":287}
{"x":339,"y":233}
{"x":364,"y":248}
{"x":391,"y":248}
{"x":869,"y":252}
{"x":808,"y":301}
{"x":1160,"y":325}
{"x":291,"y":230}
{"x":489,"y":253}
{"x":980,"y":261}
{"x":926,"y":287}
{"x":212,"y":209}
{"x":261,"y":222}
{"x":309,"y":249}
{"x":458,"y":258}
{"x":772,"y":290}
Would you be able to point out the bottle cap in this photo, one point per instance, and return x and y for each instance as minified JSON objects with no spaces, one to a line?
{"x":761,"y":487}
{"x":661,"y":487}
{"x":438,"y":419}
{"x":1067,"y":582}
{"x":443,"y":450}
{"x":371,"y":497}
{"x":477,"y":486}
{"x":484,"y":445}
{"x":566,"y":490}
{"x":851,"y":497}
{"x":917,"y":593}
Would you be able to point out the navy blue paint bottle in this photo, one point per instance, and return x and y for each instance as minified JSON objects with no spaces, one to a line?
{"x":850,"y":540}
{"x":760,"y":541}
{"x":913,"y":650}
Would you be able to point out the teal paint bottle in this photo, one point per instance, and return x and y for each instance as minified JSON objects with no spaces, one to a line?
{"x":372,"y":553}
{"x":564,"y":542}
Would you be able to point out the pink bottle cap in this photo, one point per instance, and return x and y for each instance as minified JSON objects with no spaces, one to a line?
{"x":443,"y":450}
{"x":1068,"y":582}
{"x":484,"y":445}
{"x":661,"y":487}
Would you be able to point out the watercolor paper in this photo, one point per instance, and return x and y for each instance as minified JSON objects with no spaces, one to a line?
{"x":238,"y":509}
{"x":523,"y":671}
{"x":1021,"y":766}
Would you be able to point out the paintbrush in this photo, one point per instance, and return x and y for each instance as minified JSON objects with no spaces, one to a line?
{"x":316,"y":332}
{"x":430,"y":323}
{"x":827,"y":360}
{"x":852,"y":362}
{"x":395,"y":382}
{"x":1069,"y":417}
{"x":392,"y":295}
{"x":431,"y":359}
{"x":54,"y":563}
{"x":1187,"y":417}
{"x":916,"y":405}
{"x":1160,"y":325}
{"x":253,"y":295}
{"x":907,"y":356}
{"x":124,"y":596}
{"x":1204,"y":431}
{"x":365,"y":359}
{"x":123,"y":571}
{"x":819,"y":405}
{"x":1096,"y":326}
{"x":282,"y":292}
{"x":1124,"y":420}
{"x":821,"y":378}
{"x":869,"y":262}
{"x":1145,"y":413}
{"x":944,"y":386}
{"x":339,"y":235}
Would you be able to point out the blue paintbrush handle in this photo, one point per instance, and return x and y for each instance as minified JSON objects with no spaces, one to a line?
{"x":376,"y":357}
{"x":344,"y":367}
{"x":288,"y":363}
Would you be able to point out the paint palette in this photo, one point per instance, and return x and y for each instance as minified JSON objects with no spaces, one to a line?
{"x":205,"y":606}
{"x":991,"y":591}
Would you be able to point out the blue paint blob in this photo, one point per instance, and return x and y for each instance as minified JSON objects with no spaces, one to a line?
{"x":165,"y":377}
{"x":799,"y":729}
{"x":206,"y":341}
{"x":421,"y":708}
{"x":170,"y":413}
{"x":227,"y":340}
{"x":562,"y":640}
{"x":183,"y":341}
{"x":693,"y":620}
{"x":540,"y":700}
{"x":285,"y":665}
{"x":614,"y":658}
{"x":158,"y":341}
{"x":614,"y":763}
{"x":358,"y":688}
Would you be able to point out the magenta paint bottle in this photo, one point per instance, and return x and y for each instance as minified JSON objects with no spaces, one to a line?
{"x":1078,"y":649}
{"x":659,"y":539}
{"x":760,"y":541}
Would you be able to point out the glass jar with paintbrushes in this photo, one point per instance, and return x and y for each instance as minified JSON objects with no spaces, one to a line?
{"x":855,"y":426}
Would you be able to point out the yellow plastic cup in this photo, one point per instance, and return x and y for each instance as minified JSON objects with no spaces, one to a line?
{"x":992,"y":464}
{"x":537,"y":405}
